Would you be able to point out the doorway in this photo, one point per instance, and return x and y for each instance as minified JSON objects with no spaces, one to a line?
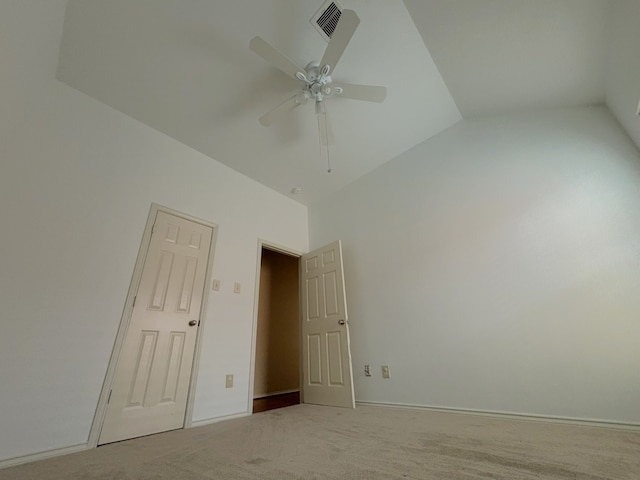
{"x":277,"y":356}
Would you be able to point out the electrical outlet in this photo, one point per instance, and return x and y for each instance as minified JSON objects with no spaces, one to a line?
{"x":215,"y":285}
{"x":229,"y":382}
{"x":236,"y":287}
{"x":385,"y":371}
{"x":367,"y":370}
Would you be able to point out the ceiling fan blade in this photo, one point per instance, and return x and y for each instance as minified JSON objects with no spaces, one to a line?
{"x":368,"y":93}
{"x":279,"y":111}
{"x":275,"y":57}
{"x":340,"y":39}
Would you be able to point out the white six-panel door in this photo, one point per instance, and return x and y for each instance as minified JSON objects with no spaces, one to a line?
{"x":151,"y":383}
{"x":327,"y":372}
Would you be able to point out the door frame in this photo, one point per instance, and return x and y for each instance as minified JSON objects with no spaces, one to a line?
{"x":254,"y":329}
{"x":125,"y":320}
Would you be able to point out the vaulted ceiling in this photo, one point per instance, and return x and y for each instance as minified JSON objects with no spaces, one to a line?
{"x":184,"y":68}
{"x":500,"y":56}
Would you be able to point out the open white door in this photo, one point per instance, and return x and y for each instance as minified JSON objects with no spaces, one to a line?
{"x":326,"y":353}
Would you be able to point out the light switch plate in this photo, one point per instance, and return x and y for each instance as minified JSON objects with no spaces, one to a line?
{"x":638,"y":111}
{"x":236,"y":287}
{"x":215,"y":285}
{"x":229,"y":381}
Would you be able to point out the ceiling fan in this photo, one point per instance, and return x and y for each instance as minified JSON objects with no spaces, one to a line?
{"x":316,"y":77}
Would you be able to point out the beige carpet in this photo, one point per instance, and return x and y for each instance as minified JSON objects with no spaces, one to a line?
{"x":310,"y":442}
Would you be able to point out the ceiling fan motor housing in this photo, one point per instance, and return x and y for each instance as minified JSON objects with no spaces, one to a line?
{"x":318,"y":81}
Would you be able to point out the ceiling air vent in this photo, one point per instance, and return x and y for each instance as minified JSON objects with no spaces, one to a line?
{"x":326,"y":19}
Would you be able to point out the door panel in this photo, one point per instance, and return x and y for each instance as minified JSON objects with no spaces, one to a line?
{"x":172,"y":372}
{"x":334,"y":354}
{"x":161,"y":283}
{"x":142,"y":370}
{"x":313,"y":297}
{"x":187,"y":285}
{"x":314,"y":359}
{"x":327,"y":371}
{"x":330,"y":294}
{"x":151,"y":382}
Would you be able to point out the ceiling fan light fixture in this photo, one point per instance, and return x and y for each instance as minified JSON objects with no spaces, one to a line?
{"x":302,"y":77}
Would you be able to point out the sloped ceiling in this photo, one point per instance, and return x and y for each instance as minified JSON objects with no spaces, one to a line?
{"x":499,"y":56}
{"x":184,"y":68}
{"x":623,"y":66}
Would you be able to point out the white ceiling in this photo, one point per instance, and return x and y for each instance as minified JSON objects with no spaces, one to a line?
{"x":501,"y":56}
{"x":184,"y":68}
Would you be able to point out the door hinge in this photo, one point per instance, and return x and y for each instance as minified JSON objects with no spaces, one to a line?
{"x":109,"y":399}
{"x":134,"y":301}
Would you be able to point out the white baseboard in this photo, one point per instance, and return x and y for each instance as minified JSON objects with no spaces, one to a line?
{"x":273,"y":394}
{"x":589,"y":422}
{"x":209,"y":421}
{"x":33,"y":457}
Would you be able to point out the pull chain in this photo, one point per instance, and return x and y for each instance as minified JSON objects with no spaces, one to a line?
{"x":326,"y":129}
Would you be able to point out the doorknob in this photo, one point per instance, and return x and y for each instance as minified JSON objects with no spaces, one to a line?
{"x":193,"y":323}
{"x":341,"y":322}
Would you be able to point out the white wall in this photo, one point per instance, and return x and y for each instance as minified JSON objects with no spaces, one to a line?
{"x":623,"y":68}
{"x":76,"y":182}
{"x":496,"y":267}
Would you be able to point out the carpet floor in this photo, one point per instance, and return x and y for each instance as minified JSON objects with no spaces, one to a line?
{"x":309,"y":442}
